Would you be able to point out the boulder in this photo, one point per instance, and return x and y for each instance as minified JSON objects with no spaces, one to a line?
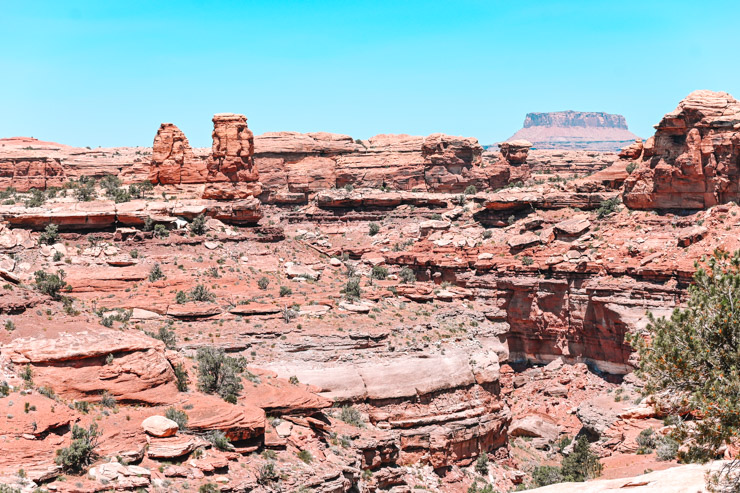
{"x":535,"y":425}
{"x":159,"y":426}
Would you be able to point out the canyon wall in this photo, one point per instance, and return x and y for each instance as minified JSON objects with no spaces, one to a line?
{"x":693,"y":160}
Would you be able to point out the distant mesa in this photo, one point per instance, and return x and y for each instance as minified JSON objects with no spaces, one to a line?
{"x":594,"y":131}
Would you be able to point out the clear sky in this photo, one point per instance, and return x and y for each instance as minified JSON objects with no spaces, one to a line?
{"x":103,"y":72}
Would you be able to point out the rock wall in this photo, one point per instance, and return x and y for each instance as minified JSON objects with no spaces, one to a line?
{"x":173,"y":161}
{"x":693,"y":160}
{"x":25,"y":173}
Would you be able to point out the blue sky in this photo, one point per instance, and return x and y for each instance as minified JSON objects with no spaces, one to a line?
{"x":108,"y":73}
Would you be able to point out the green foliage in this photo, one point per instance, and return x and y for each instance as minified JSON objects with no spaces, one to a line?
{"x":156,"y":273}
{"x":545,"y":475}
{"x":379,"y":272}
{"x":4,"y":389}
{"x":165,"y":335}
{"x":84,"y":188}
{"x":694,"y":358}
{"x":161,"y":231}
{"x":37,"y":198}
{"x":201,"y":293}
{"x":607,"y":207}
{"x":667,"y":449}
{"x":646,"y":441}
{"x":219,"y":440}
{"x":581,"y":464}
{"x":181,"y":297}
{"x":631,"y":167}
{"x":352,"y":290}
{"x":148,"y":224}
{"x":81,"y":451}
{"x":27,"y":374}
{"x":263,"y":282}
{"x":179,"y":417}
{"x":407,"y":275}
{"x":268,"y":473}
{"x":208,"y":488}
{"x":107,"y":400}
{"x":305,"y":456}
{"x":181,"y":377}
{"x":50,"y":235}
{"x":112,"y":186}
{"x":527,"y":260}
{"x":285,"y":291}
{"x":481,"y":464}
{"x":374,"y":229}
{"x":219,"y":374}
{"x":470,"y":190}
{"x":198,"y":225}
{"x":50,"y":284}
{"x":47,"y":391}
{"x":351,"y":416}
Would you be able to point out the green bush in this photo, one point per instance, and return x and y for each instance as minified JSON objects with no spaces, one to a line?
{"x":667,"y":449}
{"x":305,"y":456}
{"x":546,"y":475}
{"x":219,"y":374}
{"x":607,"y":207}
{"x":81,"y":451}
{"x":692,"y":357}
{"x":181,"y":297}
{"x":374,"y":229}
{"x":156,"y":273}
{"x":50,"y":284}
{"x":631,"y":167}
{"x":407,"y":275}
{"x":582,"y":463}
{"x":161,"y":231}
{"x":379,"y":272}
{"x":268,"y":473}
{"x":352,"y":290}
{"x":470,"y":190}
{"x":198,"y":225}
{"x":181,"y":377}
{"x":219,"y":440}
{"x":37,"y":198}
{"x":263,"y":282}
{"x":84,"y":189}
{"x":201,"y":293}
{"x":285,"y":291}
{"x":646,"y":441}
{"x":481,"y":464}
{"x":179,"y":417}
{"x":208,"y":488}
{"x":351,"y":416}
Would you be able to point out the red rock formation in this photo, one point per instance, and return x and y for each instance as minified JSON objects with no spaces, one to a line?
{"x":173,"y":161}
{"x":693,"y":160}
{"x":231,"y":170}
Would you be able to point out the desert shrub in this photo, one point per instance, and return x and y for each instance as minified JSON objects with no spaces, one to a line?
{"x":156,"y":273}
{"x":667,"y":449}
{"x":148,"y":224}
{"x":81,"y":451}
{"x":373,"y":229}
{"x":201,"y":293}
{"x":47,"y":391}
{"x":161,"y":231}
{"x":481,"y":464}
{"x":263,"y":282}
{"x":546,"y":475}
{"x":352,"y":290}
{"x":305,"y":456}
{"x":350,"y":415}
{"x":285,"y":291}
{"x":165,"y":335}
{"x":198,"y":225}
{"x":527,"y":260}
{"x":181,"y":297}
{"x":219,"y":440}
{"x":181,"y":377}
{"x":692,"y":357}
{"x":379,"y":272}
{"x":631,"y":167}
{"x":219,"y":374}
{"x":50,"y":284}
{"x":37,"y":198}
{"x":268,"y":473}
{"x":84,"y":188}
{"x":4,"y":389}
{"x":607,"y":207}
{"x":107,"y":400}
{"x":208,"y":488}
{"x":646,"y":441}
{"x":470,"y":190}
{"x":179,"y":417}
{"x":582,"y":463}
{"x":407,"y":275}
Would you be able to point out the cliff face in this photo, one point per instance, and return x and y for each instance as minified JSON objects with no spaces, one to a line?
{"x":575,"y":119}
{"x":693,"y":160}
{"x":596,"y":131}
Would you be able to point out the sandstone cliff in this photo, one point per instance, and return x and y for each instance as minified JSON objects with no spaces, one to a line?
{"x":693,"y":160}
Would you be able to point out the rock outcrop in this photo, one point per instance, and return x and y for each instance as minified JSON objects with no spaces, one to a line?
{"x":173,"y":161}
{"x":575,"y":130}
{"x":693,"y":160}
